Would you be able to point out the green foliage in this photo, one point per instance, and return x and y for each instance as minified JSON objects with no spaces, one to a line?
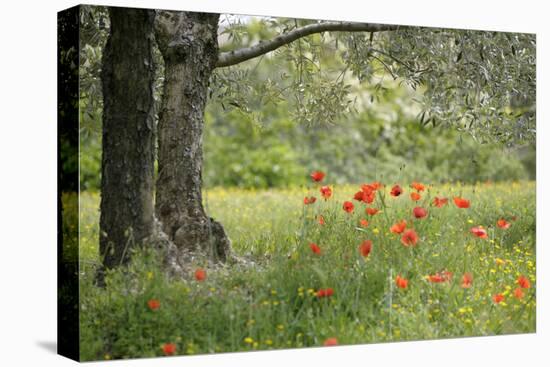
{"x":307,"y":74}
{"x":89,"y":154}
{"x":382,"y":142}
{"x":70,"y":227}
{"x":480,"y":82}
{"x":94,"y":22}
{"x":407,"y":150}
{"x":93,"y":35}
{"x":240,"y":153}
{"x":477,"y":81}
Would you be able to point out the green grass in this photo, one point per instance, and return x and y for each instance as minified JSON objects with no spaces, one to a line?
{"x":273,"y":304}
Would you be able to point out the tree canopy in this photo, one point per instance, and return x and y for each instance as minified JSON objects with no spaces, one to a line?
{"x":477,"y":81}
{"x":481,"y":82}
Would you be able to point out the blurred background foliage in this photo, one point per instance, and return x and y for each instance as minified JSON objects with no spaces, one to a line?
{"x":272,"y":120}
{"x":383,"y":142}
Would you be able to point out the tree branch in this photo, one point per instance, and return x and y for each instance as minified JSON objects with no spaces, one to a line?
{"x":238,"y":56}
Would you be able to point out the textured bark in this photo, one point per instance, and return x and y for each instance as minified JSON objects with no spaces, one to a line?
{"x":189,"y":46}
{"x":127,"y":163}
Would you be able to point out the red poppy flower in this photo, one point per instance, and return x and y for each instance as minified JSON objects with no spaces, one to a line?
{"x":365,"y":248}
{"x":419,"y":212}
{"x":479,"y":231}
{"x":330,"y":342}
{"x":461,"y":203}
{"x":436,"y":278}
{"x":375,"y":185}
{"x":367,"y":188}
{"x":321,"y":220}
{"x":153,"y":304}
{"x":359,"y":195}
{"x":467,"y":280}
{"x":396,"y":191}
{"x":366,"y":195}
{"x":321,"y":293}
{"x":439,"y":202}
{"x":169,"y":349}
{"x":523,"y":282}
{"x":364,"y":223}
{"x":401,"y":282}
{"x":415,"y":196}
{"x":418,"y":186}
{"x":316,"y":249}
{"x":441,"y":277}
{"x":497,"y":298}
{"x":309,"y":200}
{"x":348,"y":206}
{"x":518,"y":293}
{"x":409,"y":238}
{"x":200,"y":274}
{"x":398,"y":227}
{"x":502,"y":223}
{"x":317,"y":176}
{"x":326,"y":192}
{"x":371,"y":211}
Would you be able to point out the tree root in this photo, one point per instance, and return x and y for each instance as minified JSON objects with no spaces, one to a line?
{"x":180,"y":262}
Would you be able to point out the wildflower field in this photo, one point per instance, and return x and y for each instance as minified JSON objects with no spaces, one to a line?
{"x":325,"y":265}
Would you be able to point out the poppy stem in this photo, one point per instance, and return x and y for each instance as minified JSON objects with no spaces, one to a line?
{"x":390,"y":302}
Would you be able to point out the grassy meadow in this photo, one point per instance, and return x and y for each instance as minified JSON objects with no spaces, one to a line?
{"x":345,"y":290}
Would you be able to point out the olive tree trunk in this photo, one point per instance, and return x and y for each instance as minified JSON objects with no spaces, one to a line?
{"x":127,"y":215}
{"x":189,"y":46}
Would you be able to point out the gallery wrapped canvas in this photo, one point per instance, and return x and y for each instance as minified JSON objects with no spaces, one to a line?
{"x":235,"y":183}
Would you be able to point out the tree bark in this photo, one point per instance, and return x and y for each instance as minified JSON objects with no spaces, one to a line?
{"x":126,"y":210}
{"x":237,"y":56}
{"x":189,"y":46}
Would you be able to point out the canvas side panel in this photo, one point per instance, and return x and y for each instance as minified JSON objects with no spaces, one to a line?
{"x":68,"y":183}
